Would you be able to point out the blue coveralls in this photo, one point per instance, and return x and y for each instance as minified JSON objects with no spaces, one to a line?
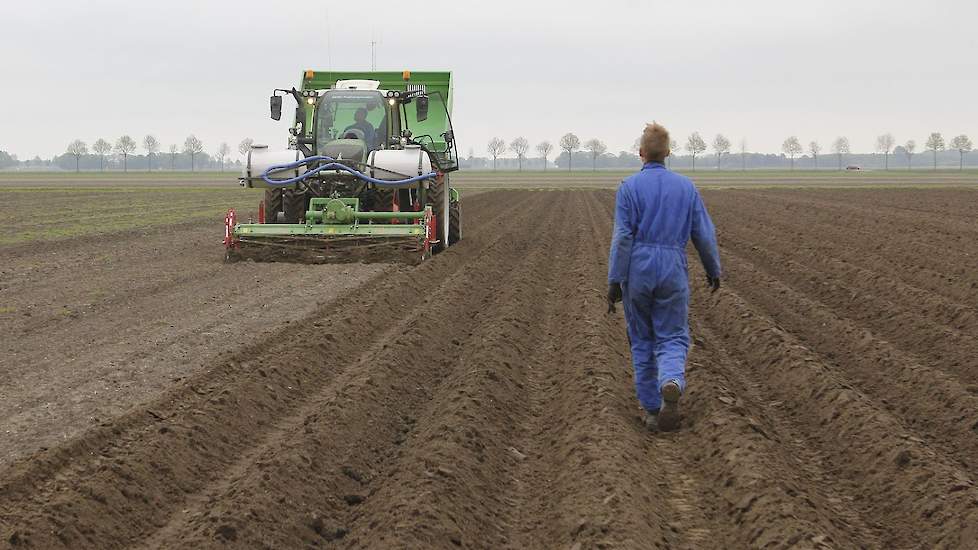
{"x":656,"y":213}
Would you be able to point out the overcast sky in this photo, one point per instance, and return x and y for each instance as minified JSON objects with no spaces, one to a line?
{"x":758,"y":70}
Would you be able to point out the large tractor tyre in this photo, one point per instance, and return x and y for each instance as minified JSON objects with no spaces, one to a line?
{"x":294,"y":205}
{"x":454,"y":222}
{"x":273,"y":204}
{"x":382,"y":199}
{"x":438,"y":199}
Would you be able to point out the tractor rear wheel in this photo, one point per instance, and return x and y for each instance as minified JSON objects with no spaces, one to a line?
{"x":294,"y":203}
{"x":454,"y":222}
{"x":437,"y":198}
{"x":273,"y":204}
{"x":290,"y":202}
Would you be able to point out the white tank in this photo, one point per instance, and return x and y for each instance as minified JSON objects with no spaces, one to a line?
{"x":410,"y":161}
{"x":260,"y":158}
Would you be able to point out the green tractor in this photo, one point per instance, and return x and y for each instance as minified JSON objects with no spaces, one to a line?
{"x":366,"y":174}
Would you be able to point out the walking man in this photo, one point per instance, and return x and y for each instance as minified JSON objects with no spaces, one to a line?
{"x":657,"y":211}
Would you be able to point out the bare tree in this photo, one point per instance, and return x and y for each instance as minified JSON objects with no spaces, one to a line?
{"x":101,"y":148}
{"x":245,"y":146}
{"x":673,"y":146}
{"x":193,"y":147}
{"x":544,"y":148}
{"x":963,"y":144}
{"x":935,"y":143}
{"x":909,"y":147}
{"x":520,"y":146}
{"x":496,"y":148}
{"x":173,"y":156}
{"x":840,"y":147}
{"x":883,"y":144}
{"x":792,"y":148}
{"x":222,"y":153}
{"x":721,"y":146}
{"x":743,"y":154}
{"x":152,"y":146}
{"x":596,"y":148}
{"x":77,"y":148}
{"x":125,"y":147}
{"x":815,"y":149}
{"x":695,"y":145}
{"x":570,"y":143}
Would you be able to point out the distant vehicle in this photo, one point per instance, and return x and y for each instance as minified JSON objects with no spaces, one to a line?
{"x":853,"y":167}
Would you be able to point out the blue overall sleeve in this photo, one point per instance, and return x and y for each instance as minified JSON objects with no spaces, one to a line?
{"x":705,"y":238}
{"x":621,"y":239}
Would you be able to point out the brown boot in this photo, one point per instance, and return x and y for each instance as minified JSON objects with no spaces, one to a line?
{"x":668,"y":420}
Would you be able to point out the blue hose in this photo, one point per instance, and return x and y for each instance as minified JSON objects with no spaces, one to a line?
{"x":331,"y":164}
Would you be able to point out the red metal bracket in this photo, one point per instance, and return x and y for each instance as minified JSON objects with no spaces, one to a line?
{"x":230,"y":220}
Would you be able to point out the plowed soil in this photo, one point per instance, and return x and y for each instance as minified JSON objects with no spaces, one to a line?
{"x":483,"y":399}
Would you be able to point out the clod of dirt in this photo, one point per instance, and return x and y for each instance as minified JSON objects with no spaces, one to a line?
{"x":317,"y":525}
{"x":353,"y":500}
{"x":902,"y":458}
{"x":517,"y":454}
{"x":227,"y":532}
{"x":352,"y":474}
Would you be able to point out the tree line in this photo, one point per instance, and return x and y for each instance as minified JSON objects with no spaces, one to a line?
{"x":695,"y":146}
{"x":125,"y":147}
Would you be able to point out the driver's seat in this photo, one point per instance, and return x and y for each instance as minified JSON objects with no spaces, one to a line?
{"x":348,"y":148}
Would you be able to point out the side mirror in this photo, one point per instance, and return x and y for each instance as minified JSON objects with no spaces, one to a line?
{"x":421,"y":107}
{"x":276,"y":104}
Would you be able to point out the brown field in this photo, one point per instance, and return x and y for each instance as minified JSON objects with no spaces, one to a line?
{"x":152,"y":396}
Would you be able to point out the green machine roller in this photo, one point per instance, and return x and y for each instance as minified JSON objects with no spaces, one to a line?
{"x":366,"y":173}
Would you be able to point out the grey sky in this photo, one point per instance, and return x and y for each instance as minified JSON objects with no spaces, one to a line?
{"x":760,"y":70}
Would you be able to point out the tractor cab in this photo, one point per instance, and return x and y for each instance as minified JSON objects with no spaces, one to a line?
{"x":355,"y":118}
{"x":349,"y":124}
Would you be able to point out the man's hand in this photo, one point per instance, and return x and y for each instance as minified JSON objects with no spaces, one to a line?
{"x":714,"y":283}
{"x":614,"y":296}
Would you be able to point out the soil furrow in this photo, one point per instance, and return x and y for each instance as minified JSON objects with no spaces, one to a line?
{"x":771,"y":485}
{"x":924,"y":262}
{"x":209,"y":420}
{"x":926,"y":399}
{"x":323,"y":462}
{"x":938,"y":332}
{"x":921,"y":498}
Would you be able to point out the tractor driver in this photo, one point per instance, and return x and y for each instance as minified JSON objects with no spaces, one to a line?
{"x":657,"y":211}
{"x":361,"y":123}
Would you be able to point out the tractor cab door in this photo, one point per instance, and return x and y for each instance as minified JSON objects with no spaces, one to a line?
{"x":432,"y":129}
